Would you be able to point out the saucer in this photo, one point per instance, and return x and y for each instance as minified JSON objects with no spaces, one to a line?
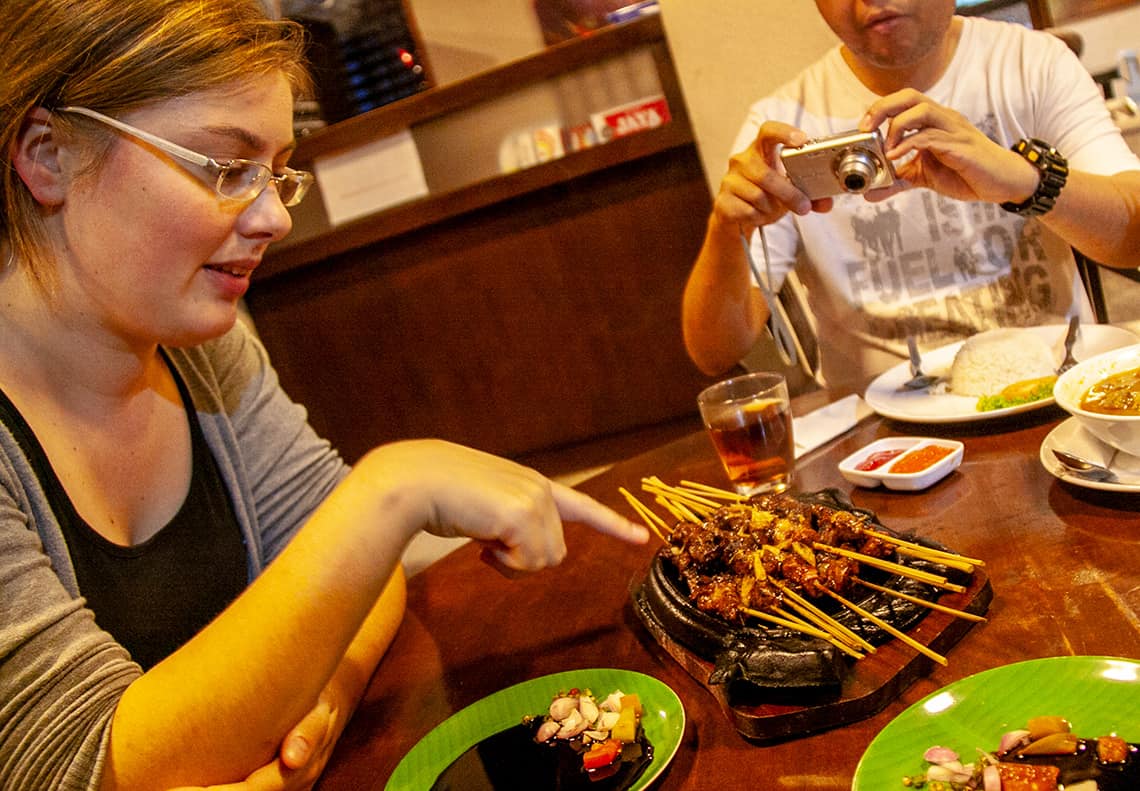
{"x":1071,"y":436}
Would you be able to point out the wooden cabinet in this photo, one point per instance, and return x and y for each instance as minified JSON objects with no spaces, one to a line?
{"x":517,"y":312}
{"x":1050,"y":13}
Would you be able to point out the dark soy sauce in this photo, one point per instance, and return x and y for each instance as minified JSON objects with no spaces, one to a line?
{"x":512,"y":760}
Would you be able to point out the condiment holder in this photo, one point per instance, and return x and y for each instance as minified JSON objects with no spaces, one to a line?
{"x":902,"y":463}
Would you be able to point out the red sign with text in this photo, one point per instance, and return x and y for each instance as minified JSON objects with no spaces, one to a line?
{"x":631,"y":118}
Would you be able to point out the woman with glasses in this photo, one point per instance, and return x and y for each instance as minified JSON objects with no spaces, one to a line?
{"x":195,"y":587}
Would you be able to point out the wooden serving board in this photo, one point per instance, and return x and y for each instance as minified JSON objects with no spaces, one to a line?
{"x":868,"y":686}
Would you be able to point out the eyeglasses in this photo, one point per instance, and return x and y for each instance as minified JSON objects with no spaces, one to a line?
{"x":241,"y":180}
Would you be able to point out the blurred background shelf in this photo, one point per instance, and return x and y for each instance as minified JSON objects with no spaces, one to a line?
{"x":520,"y":312}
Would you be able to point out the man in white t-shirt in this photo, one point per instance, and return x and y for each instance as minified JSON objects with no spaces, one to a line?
{"x":973,"y":235}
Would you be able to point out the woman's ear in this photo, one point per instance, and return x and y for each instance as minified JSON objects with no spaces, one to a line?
{"x":35,"y":156}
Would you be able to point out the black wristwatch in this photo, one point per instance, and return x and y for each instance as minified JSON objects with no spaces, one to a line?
{"x":1053,"y":169}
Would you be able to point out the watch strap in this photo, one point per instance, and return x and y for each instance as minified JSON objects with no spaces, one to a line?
{"x":1053,"y":172}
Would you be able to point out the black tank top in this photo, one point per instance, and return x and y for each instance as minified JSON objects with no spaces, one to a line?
{"x":154,"y":596}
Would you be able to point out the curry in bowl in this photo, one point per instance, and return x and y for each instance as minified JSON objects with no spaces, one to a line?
{"x":1118,"y":394}
{"x":1113,"y":423}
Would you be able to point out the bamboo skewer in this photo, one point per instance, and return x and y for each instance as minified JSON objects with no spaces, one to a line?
{"x":652,"y":520}
{"x":822,"y":619}
{"x":679,"y":510}
{"x":791,"y":616}
{"x":712,"y":491}
{"x":896,"y":568}
{"x":842,"y":646}
{"x":689,"y":508}
{"x":917,"y":646}
{"x":790,"y":623}
{"x":969,"y":616}
{"x":800,"y":626}
{"x":677,"y":491}
{"x":826,"y":623}
{"x":701,"y":505}
{"x":953,"y":563}
{"x":669,"y":507}
{"x":930,"y":553}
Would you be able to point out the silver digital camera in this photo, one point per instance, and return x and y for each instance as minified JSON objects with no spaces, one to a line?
{"x":848,"y":162}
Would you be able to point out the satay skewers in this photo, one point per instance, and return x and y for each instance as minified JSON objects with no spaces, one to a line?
{"x":789,"y":557}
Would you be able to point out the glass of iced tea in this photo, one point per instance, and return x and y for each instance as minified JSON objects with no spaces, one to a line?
{"x":749,"y":419}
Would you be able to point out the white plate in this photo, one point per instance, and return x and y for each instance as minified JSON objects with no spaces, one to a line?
{"x":887,"y":396}
{"x":1071,"y":436}
{"x":663,"y":720}
{"x":1096,"y":694}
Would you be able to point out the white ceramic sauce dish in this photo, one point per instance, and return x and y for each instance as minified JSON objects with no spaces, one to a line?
{"x":906,"y":450}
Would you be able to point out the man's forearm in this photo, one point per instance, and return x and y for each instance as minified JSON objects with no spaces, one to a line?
{"x":722,"y":311}
{"x":1100,"y":216}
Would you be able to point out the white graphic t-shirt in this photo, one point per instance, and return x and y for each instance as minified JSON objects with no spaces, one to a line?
{"x":922,"y":261}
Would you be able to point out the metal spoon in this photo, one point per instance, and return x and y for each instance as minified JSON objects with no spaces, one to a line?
{"x":1086,"y":468}
{"x":918,"y":380}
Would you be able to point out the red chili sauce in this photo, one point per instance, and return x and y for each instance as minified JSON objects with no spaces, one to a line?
{"x":920,"y":459}
{"x":878,"y":459}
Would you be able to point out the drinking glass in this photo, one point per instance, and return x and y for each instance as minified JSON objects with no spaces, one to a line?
{"x":749,"y":419}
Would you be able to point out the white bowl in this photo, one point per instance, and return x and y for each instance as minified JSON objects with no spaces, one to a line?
{"x":904,"y":446}
{"x":1120,"y":431}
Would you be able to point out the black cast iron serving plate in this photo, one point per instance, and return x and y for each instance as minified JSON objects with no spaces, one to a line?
{"x":776,"y":684}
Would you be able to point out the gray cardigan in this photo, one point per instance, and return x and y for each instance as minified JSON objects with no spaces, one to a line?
{"x":60,"y":675}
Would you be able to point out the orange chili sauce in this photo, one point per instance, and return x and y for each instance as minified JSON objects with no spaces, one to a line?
{"x":919,"y":460}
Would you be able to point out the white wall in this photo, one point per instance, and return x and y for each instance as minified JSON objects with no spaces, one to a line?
{"x":729,"y":53}
{"x":1106,"y":35}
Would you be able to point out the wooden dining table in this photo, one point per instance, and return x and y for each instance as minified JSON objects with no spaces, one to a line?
{"x":1063,"y":562}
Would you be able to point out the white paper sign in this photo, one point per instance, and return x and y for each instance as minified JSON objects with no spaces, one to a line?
{"x":370,"y":177}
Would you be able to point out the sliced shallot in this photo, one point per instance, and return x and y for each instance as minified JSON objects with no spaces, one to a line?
{"x":939,"y":755}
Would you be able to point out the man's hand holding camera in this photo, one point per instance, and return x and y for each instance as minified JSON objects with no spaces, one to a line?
{"x":755,"y":191}
{"x":938,"y":148}
{"x":926,"y":145}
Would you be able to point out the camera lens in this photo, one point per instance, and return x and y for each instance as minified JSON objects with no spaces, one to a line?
{"x":857,"y":170}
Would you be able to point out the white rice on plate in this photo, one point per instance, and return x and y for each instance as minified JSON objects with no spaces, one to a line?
{"x":988,"y":362}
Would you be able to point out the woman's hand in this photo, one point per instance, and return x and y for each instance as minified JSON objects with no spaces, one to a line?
{"x":307,"y":748}
{"x":303,"y":755}
{"x":938,"y":148}
{"x":450,"y":490}
{"x":271,"y":777}
{"x":755,"y":191}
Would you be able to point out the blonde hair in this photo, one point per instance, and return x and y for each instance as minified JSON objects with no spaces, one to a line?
{"x":116,"y":56}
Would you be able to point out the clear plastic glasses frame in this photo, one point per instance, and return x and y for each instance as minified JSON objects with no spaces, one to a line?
{"x":241,"y":180}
